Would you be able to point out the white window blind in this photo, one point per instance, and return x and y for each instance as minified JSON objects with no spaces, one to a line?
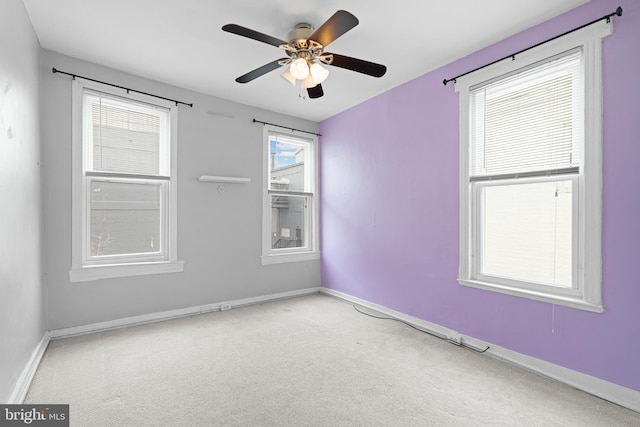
{"x":529,"y":122}
{"x":125,"y":137}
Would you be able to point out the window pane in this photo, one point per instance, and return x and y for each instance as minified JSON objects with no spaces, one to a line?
{"x":126,"y":137}
{"x":530,"y":121}
{"x":527,"y":232}
{"x":287,"y":165}
{"x":125,"y":218}
{"x":288,"y":221}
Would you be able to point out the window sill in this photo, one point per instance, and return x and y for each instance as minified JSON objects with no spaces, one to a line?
{"x":573,"y":302}
{"x":289,"y":257}
{"x":89,"y":273}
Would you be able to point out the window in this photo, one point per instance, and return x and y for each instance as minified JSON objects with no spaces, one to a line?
{"x":124,"y":210}
{"x":530,"y":166}
{"x":289,"y":205}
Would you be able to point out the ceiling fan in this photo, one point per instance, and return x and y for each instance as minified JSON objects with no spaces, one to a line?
{"x":305,"y":49}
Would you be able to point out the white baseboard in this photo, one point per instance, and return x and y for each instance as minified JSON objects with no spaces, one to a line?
{"x":24,"y":381}
{"x":26,"y":377}
{"x":615,"y":393}
{"x":174,"y":314}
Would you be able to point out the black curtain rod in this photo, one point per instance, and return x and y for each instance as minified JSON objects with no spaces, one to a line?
{"x":54,"y":70}
{"x":618,"y":12}
{"x":287,"y":127}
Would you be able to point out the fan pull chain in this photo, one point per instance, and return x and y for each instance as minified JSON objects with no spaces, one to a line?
{"x":302,"y":92}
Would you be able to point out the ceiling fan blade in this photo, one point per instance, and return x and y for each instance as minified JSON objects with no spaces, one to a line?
{"x":315,"y":92}
{"x":247,"y":32}
{"x":358,"y":65}
{"x":341,"y":22}
{"x":259,"y":72}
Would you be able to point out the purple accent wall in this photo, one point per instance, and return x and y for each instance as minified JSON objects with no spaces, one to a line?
{"x":389,"y":185}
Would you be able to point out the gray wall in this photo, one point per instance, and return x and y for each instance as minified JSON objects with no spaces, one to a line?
{"x":22,"y":316}
{"x":219,"y":235}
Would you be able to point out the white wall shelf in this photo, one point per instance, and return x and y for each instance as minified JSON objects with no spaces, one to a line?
{"x":224,"y":179}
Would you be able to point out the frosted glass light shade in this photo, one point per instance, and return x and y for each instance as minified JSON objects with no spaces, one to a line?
{"x":308,"y":82}
{"x":299,"y":68}
{"x":288,"y":76}
{"x":319,"y":73}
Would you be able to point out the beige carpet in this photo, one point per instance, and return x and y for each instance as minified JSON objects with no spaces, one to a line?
{"x":311,"y":361}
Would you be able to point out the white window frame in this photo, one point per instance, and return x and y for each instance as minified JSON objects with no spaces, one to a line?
{"x":83,"y":266}
{"x":311,"y":249}
{"x":586,"y":292}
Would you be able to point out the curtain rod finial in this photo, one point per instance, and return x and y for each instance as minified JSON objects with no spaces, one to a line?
{"x":619,"y":11}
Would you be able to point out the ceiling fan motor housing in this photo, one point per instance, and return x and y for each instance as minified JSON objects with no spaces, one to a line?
{"x":299,"y":36}
{"x":300,"y":46}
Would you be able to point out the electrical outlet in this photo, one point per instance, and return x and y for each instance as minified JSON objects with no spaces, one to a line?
{"x":225,"y":307}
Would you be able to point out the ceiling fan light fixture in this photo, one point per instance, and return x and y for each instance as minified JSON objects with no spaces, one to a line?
{"x":327,"y":58}
{"x":319,"y":73}
{"x":308,"y":82}
{"x":299,"y":68}
{"x":288,"y":76}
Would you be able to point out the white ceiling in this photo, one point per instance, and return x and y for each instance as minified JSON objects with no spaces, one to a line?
{"x":180,"y":42}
